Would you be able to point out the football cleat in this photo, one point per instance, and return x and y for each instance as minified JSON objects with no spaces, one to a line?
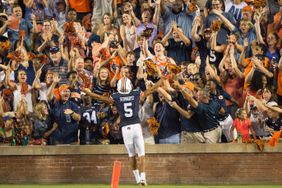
{"x":143,"y":183}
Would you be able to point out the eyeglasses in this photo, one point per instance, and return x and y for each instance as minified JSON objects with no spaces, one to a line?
{"x":47,"y":25}
{"x":54,"y":50}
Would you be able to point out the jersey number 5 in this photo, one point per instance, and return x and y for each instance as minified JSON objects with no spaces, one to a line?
{"x":212,"y":56}
{"x":128,"y":110}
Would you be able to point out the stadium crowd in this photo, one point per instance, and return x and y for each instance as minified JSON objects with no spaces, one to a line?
{"x":219,"y":62}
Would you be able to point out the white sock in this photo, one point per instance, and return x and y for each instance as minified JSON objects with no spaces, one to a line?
{"x":143,"y":176}
{"x":136,"y":175}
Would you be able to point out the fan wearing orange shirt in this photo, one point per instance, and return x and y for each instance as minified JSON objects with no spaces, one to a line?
{"x":160,"y":59}
{"x":257,"y":62}
{"x":115,"y":61}
{"x":82,"y":7}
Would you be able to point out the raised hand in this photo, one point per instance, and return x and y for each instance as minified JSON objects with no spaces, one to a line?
{"x":76,"y":51}
{"x":87,"y":91}
{"x":257,"y":16}
{"x":245,"y":42}
{"x":61,"y":39}
{"x":176,"y":85}
{"x":255,"y":61}
{"x":197,"y":19}
{"x":216,"y":12}
{"x":56,"y":78}
{"x":114,"y":54}
{"x":117,"y":70}
{"x":54,"y":25}
{"x":8,"y":71}
{"x":32,"y":17}
{"x":149,"y":84}
{"x":174,"y":25}
{"x":130,"y":9}
{"x":55,"y":126}
{"x":198,"y":61}
{"x":226,"y":52}
{"x":38,"y":72}
{"x":115,"y":14}
{"x":72,"y":53}
{"x":158,"y":2}
{"x":232,"y":50}
{"x":173,"y":104}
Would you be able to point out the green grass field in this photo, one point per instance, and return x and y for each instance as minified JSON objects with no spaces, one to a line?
{"x":134,"y":186}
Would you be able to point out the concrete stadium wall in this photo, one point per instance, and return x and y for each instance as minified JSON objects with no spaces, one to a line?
{"x":166,"y":164}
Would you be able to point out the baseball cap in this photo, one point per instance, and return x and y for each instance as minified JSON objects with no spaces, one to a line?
{"x":54,"y":49}
{"x":63,"y":87}
{"x":93,"y":38}
{"x":6,"y":118}
{"x":8,"y":115}
{"x":248,"y":9}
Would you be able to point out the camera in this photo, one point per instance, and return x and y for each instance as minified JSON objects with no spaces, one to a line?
{"x":114,"y":44}
{"x":274,"y":60}
{"x":147,"y":32}
{"x":114,"y":66}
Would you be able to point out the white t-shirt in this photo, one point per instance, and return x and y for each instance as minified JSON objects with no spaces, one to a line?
{"x":138,"y":63}
{"x":3,"y":75}
{"x":145,"y":112}
{"x":43,"y":92}
{"x":18,"y":95}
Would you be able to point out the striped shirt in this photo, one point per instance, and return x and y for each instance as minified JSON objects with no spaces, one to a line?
{"x":61,"y":69}
{"x":100,"y":89}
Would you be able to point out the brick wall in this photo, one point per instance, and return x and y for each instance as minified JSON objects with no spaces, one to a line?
{"x":168,"y":168}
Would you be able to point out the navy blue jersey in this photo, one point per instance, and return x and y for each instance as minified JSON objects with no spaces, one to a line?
{"x":67,"y":130}
{"x":191,"y":124}
{"x":88,"y":120}
{"x":215,"y":58}
{"x":89,"y":116}
{"x":275,"y":124}
{"x":128,"y":107}
{"x":168,"y":118}
{"x":221,"y":96}
{"x":204,"y":50}
{"x":178,"y":51}
{"x":208,"y":114}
